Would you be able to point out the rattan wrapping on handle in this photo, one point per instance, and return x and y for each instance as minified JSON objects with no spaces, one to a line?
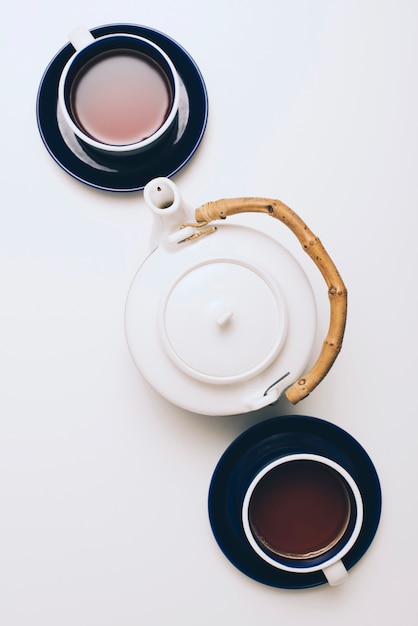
{"x":337,"y":291}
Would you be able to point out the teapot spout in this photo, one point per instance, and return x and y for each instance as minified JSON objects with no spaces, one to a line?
{"x":163,"y":199}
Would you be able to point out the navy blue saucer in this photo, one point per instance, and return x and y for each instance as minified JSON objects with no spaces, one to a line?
{"x":254,"y":449}
{"x":128,"y":173}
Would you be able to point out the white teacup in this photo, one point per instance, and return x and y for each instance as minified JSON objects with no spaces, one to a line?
{"x":303,"y":513}
{"x":119,"y":94}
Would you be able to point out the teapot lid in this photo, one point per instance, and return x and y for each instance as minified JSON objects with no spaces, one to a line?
{"x":209,"y":321}
{"x":223,"y":324}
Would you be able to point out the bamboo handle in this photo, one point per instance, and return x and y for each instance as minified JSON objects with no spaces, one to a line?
{"x":337,"y":291}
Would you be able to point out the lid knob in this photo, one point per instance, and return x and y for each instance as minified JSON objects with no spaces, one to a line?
{"x":223,"y":314}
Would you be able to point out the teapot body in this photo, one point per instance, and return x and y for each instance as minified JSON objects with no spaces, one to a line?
{"x":220,"y":323}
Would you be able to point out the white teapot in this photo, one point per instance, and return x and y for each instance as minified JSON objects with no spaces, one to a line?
{"x":220,"y":318}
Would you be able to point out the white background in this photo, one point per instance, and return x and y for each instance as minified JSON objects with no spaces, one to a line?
{"x":103,"y":483}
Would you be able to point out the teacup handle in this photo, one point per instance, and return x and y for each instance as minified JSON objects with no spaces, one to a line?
{"x":80,"y":37}
{"x":335,"y":573}
{"x":337,"y":292}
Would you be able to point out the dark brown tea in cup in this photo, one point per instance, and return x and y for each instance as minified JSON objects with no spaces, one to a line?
{"x":120,"y":97}
{"x":299,"y":509}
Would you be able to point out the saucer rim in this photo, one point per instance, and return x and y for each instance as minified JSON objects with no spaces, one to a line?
{"x":225,"y":515}
{"x":176,"y":156}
